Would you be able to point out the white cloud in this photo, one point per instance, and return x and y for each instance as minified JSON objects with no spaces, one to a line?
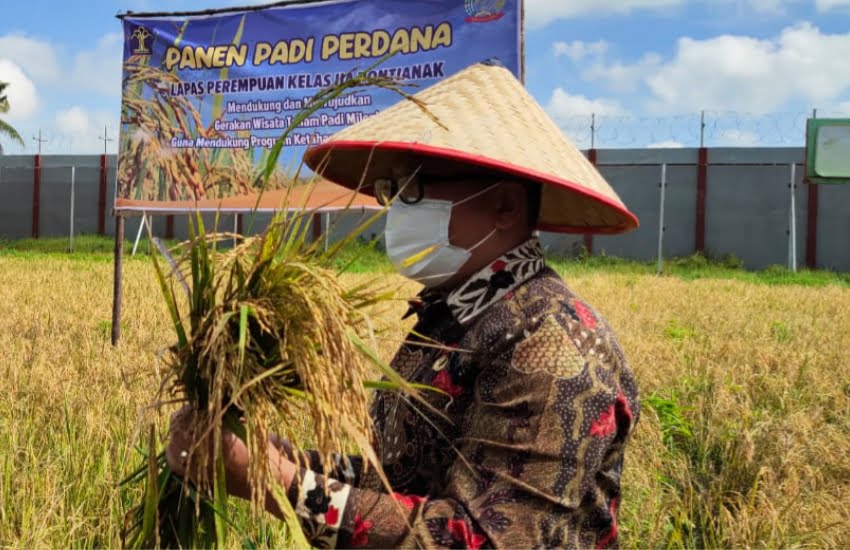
{"x":73,"y":121}
{"x":748,"y":74}
{"x":99,"y":69}
{"x":78,"y":130}
{"x":622,"y":77}
{"x":737,"y":138}
{"x":770,"y":7}
{"x":563,"y":106}
{"x":21,"y":91}
{"x":542,"y":12}
{"x":95,"y":69}
{"x":838,"y":110}
{"x":828,"y":5}
{"x":665,"y":145}
{"x":573,"y":114}
{"x":36,"y":57}
{"x":578,"y":50}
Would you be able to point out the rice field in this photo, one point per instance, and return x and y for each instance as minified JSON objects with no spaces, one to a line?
{"x":743,"y":441}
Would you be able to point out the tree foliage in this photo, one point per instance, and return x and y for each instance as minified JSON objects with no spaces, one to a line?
{"x":6,"y":129}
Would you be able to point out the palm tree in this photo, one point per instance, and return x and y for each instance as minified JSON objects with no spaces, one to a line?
{"x":5,"y":128}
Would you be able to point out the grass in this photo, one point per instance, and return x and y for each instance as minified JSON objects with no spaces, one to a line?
{"x":745,"y":386}
{"x":369,"y":258}
{"x":88,"y":248}
{"x":698,"y":266}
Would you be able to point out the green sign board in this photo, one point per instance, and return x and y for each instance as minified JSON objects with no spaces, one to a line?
{"x":828,"y":150}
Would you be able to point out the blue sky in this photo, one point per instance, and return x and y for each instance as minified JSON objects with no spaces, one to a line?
{"x":645,"y":68}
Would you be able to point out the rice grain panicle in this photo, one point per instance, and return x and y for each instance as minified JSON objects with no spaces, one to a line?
{"x":266,"y":335}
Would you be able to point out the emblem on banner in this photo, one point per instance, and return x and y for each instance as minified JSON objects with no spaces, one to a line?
{"x":483,"y":11}
{"x":141,"y":36}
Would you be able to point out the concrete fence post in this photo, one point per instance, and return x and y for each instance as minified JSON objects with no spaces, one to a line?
{"x":661,"y":228}
{"x":593,"y":157}
{"x":702,"y":191}
{"x":327,"y":229}
{"x":101,"y":197}
{"x":792,"y":221}
{"x":36,"y":196}
{"x":73,"y":194}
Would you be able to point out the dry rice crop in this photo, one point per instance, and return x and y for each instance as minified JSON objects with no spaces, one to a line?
{"x":742,"y":443}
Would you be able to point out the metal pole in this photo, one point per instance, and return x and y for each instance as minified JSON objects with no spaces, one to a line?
{"x":593,"y":131}
{"x":661,"y":227}
{"x":139,"y":234}
{"x":117,"y":279}
{"x":40,"y":141}
{"x":73,"y":189}
{"x":792,"y":234}
{"x":702,"y":129}
{"x":522,"y":38}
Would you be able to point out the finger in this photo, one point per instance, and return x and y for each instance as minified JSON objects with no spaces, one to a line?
{"x":177,"y":459}
{"x":184,"y":412}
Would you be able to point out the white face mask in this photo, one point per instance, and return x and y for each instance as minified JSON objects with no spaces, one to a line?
{"x":417,"y":239}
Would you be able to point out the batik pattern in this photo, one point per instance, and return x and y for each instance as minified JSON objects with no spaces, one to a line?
{"x":537,"y":406}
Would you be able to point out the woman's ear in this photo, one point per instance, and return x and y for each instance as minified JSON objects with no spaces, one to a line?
{"x":512,"y":208}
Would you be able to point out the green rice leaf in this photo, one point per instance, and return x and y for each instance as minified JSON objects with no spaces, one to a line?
{"x":289,"y":516}
{"x":386,"y":385}
{"x":150,"y":515}
{"x":171,"y":303}
{"x":220,"y":495}
{"x":243,"y":333}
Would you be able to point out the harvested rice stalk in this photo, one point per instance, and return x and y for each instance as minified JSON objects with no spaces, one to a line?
{"x":265,"y":335}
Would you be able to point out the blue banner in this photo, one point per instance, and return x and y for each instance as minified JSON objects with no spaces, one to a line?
{"x":206,"y":96}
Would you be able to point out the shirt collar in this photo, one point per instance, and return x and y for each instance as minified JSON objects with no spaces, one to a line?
{"x":485,"y":287}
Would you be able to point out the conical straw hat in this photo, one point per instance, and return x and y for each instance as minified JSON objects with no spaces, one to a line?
{"x":479,"y":121}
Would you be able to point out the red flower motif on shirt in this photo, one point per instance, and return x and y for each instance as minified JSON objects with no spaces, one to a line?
{"x":585,"y":315}
{"x":498,"y":265}
{"x":409,"y":501}
{"x":623,"y":405}
{"x":360,"y":537}
{"x":605,"y":425}
{"x":462,"y":533}
{"x":443,"y":381}
{"x":332,"y":515}
{"x":611,"y":537}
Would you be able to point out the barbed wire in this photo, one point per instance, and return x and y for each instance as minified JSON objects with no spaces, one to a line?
{"x":708,"y":128}
{"x":54,"y":142}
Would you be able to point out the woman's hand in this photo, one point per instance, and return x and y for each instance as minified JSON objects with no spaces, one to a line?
{"x":183,"y":435}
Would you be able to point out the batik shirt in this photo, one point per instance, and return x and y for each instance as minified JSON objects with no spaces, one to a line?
{"x":522,"y":448}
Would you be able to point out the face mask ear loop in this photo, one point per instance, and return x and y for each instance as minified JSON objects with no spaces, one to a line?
{"x":434,"y":276}
{"x":470,"y":250}
{"x":484,"y":240}
{"x":478,"y":194}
